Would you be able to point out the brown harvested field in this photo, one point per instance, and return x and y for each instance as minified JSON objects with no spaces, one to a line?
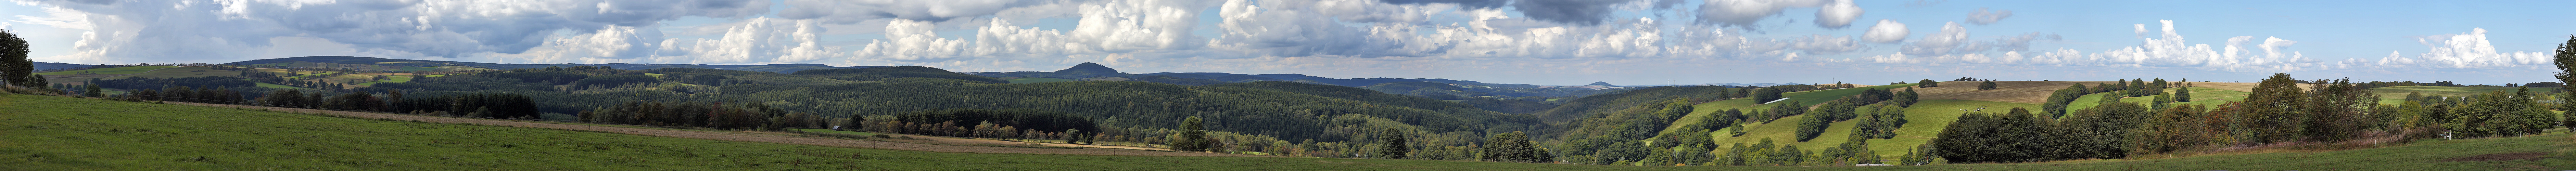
{"x":758,"y":137}
{"x":2035,"y":91}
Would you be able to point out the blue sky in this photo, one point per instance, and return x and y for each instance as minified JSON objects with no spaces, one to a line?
{"x":1566,"y":42}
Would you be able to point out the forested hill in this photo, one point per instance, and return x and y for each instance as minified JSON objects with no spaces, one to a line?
{"x":781,"y":68}
{"x":1261,"y":111}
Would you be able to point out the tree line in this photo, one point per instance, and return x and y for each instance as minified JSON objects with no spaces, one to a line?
{"x":2277,"y":111}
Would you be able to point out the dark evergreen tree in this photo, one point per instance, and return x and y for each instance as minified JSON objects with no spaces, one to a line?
{"x":1927,"y":83}
{"x":1765,"y":95}
{"x":1986,"y":85}
{"x":2182,"y":94}
{"x":1391,"y":144}
{"x":1192,"y":131}
{"x":93,"y":91}
{"x":2565,"y":59}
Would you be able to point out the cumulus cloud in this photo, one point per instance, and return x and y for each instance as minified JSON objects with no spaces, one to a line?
{"x":2170,"y":50}
{"x":757,"y":40}
{"x":851,"y":11}
{"x":1887,"y":31}
{"x":422,"y":28}
{"x":1472,"y":4}
{"x":1582,"y":12}
{"x":2167,"y":50}
{"x":2463,"y":51}
{"x":1747,"y":13}
{"x":1951,"y":38}
{"x":1983,"y":17}
{"x":1821,"y":44}
{"x":1837,"y":14}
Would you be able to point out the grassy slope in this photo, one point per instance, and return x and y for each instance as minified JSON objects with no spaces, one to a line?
{"x":1924,"y":120}
{"x":58,"y":133}
{"x":116,"y":70}
{"x":2400,"y":91}
{"x":2199,"y":96}
{"x":2424,"y":155}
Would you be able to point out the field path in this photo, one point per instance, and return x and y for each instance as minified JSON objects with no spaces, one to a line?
{"x":744,"y":137}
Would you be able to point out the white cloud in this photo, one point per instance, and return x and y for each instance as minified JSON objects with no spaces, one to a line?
{"x":1746,"y":13}
{"x":756,"y":40}
{"x":2170,"y":50}
{"x":133,"y":31}
{"x":852,"y":11}
{"x":914,"y":40}
{"x":2464,"y":51}
{"x":1837,"y":14}
{"x":1951,"y":38}
{"x":1983,"y":17}
{"x":1887,"y":31}
{"x":1821,"y":44}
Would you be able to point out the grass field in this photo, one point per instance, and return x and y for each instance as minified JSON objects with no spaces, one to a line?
{"x":61,"y":133}
{"x":280,"y":86}
{"x":1037,"y":80}
{"x":836,"y":132}
{"x":2199,"y":96}
{"x":1924,"y":120}
{"x":116,"y":70}
{"x":2400,"y":91}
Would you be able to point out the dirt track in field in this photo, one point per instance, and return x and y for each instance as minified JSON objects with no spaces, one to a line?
{"x":750,"y":137}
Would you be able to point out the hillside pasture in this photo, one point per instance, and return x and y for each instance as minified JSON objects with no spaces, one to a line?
{"x":1923,"y":122}
{"x":2032,"y":92}
{"x":2400,"y":91}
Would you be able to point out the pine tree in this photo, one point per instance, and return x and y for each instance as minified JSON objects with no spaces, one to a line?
{"x":2182,"y":94}
{"x":93,"y":91}
{"x":1192,"y":131}
{"x":1391,"y":144}
{"x":2566,"y":61}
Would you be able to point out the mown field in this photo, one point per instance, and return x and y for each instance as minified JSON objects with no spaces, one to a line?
{"x":62,"y":133}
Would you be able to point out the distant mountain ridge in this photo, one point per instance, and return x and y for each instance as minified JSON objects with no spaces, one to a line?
{"x":779,"y":68}
{"x":1724,"y":84}
{"x":40,"y":66}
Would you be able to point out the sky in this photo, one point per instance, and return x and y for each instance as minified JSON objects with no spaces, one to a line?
{"x":1544,"y":42}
